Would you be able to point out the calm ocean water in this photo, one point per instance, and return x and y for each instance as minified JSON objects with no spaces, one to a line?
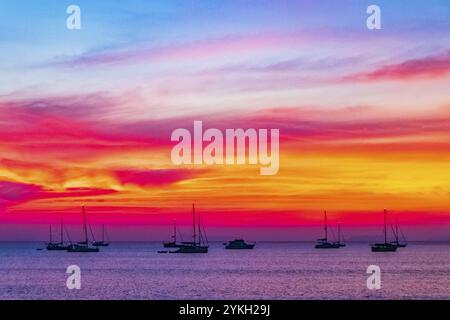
{"x":270,"y":271}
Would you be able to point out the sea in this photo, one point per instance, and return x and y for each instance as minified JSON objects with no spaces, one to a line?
{"x":293,"y":270}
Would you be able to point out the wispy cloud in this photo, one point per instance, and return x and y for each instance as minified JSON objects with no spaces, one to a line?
{"x":17,"y":192}
{"x":151,"y":178}
{"x":426,"y":67}
{"x":194,"y":50}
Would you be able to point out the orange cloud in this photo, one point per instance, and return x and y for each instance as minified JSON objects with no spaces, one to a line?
{"x":56,"y":163}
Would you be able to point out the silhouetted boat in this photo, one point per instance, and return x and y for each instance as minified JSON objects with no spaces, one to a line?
{"x":397,"y":232}
{"x":102,"y":243}
{"x":199,"y":244}
{"x":172,"y":244}
{"x":386,"y":246}
{"x":84,"y":245}
{"x":324,"y":243}
{"x":341,"y":244}
{"x":57,"y":246}
{"x":239,"y":244}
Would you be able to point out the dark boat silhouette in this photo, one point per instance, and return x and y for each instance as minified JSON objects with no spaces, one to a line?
{"x":386,"y":246}
{"x":57,"y":246}
{"x":84,"y":245}
{"x":397,"y":232}
{"x":340,"y":235}
{"x":238,"y":244}
{"x":102,"y":243}
{"x":172,"y":244}
{"x":199,"y":243}
{"x":324,"y":243}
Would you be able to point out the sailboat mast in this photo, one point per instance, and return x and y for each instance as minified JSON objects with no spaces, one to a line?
{"x":326,"y":228}
{"x":175,"y":230}
{"x":385,"y":228}
{"x":195,"y":226}
{"x":51,"y":234}
{"x":85,"y":226}
{"x":103,"y":233}
{"x":339,"y":233}
{"x":62,"y":227}
{"x":396,"y":231}
{"x":199,"y":230}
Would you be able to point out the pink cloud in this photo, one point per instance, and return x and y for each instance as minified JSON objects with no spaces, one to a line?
{"x":427,"y":67}
{"x":147,"y":178}
{"x":224,"y":46}
{"x":51,"y":133}
{"x":58,"y":128}
{"x":12,"y":192}
{"x":20,"y":192}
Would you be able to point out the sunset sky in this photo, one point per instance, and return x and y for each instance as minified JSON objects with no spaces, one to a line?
{"x":86,"y":116}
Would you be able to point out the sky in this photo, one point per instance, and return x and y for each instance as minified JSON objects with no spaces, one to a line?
{"x":86,"y":116}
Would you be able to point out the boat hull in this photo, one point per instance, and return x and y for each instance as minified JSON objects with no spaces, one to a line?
{"x":100,"y":244}
{"x":384,"y":248}
{"x":171,"y":245}
{"x":82,"y":249}
{"x":192,"y":249}
{"x":399,"y":245}
{"x":327,"y":245}
{"x":239,"y":244}
{"x":56,"y":247}
{"x":244,"y":247}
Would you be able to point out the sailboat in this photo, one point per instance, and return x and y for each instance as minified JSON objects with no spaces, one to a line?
{"x":102,"y":243}
{"x":324,"y":243}
{"x":397,"y":232}
{"x":172,"y":244}
{"x":57,"y":246}
{"x":84,"y":245}
{"x":198,"y":244}
{"x":386,"y":246}
{"x":341,"y":244}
